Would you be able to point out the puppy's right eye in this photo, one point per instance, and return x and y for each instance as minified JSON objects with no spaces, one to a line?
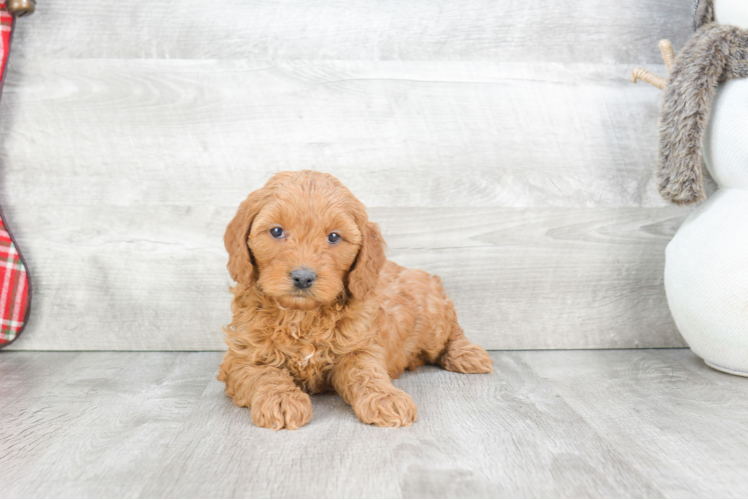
{"x":276,"y":232}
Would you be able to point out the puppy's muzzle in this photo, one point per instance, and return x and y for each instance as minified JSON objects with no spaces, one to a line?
{"x":303,"y":278}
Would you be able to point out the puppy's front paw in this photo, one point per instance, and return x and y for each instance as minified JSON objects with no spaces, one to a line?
{"x":279,"y":410}
{"x":388,"y":408}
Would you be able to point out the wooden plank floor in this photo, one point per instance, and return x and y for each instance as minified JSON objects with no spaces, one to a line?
{"x":626,"y":423}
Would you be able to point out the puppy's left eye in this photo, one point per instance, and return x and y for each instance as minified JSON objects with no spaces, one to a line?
{"x":333,"y":237}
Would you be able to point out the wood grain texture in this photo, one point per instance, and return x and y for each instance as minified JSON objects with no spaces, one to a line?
{"x":485,"y":30}
{"x":145,"y":279}
{"x":86,"y":424}
{"x":129,"y":135}
{"x":397,"y":134}
{"x":481,"y":436}
{"x":644,"y":423}
{"x":666,"y":404}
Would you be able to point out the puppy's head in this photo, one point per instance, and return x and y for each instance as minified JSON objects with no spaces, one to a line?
{"x":306,"y":241}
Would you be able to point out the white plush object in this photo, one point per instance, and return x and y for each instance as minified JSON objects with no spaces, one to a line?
{"x":706,"y":270}
{"x":734,"y":12}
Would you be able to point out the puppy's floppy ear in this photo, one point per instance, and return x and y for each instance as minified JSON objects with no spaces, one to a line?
{"x":235,"y":240}
{"x":370,"y":260}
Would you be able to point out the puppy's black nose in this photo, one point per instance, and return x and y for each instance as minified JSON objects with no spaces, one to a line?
{"x":303,"y":278}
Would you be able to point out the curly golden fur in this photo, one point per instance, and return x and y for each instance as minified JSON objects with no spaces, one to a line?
{"x":362,"y":321}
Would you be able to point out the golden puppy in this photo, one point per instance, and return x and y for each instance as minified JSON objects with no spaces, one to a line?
{"x":317,"y":306}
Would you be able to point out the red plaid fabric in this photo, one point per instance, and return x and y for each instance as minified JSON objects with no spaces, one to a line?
{"x":6,"y":25}
{"x":14,"y":296}
{"x":14,"y":283}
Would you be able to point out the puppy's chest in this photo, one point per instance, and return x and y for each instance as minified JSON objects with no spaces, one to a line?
{"x":310,"y":365}
{"x":308,"y":360}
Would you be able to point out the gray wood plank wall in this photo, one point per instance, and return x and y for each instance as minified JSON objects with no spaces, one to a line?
{"x":498,"y":143}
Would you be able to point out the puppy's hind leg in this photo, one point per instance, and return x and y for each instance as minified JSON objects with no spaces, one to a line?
{"x":463,"y":357}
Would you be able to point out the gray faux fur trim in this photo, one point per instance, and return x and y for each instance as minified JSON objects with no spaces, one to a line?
{"x":715,"y":53}
{"x":703,"y":13}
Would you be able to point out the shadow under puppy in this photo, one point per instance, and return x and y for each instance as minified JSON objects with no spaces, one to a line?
{"x":317,"y":306}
